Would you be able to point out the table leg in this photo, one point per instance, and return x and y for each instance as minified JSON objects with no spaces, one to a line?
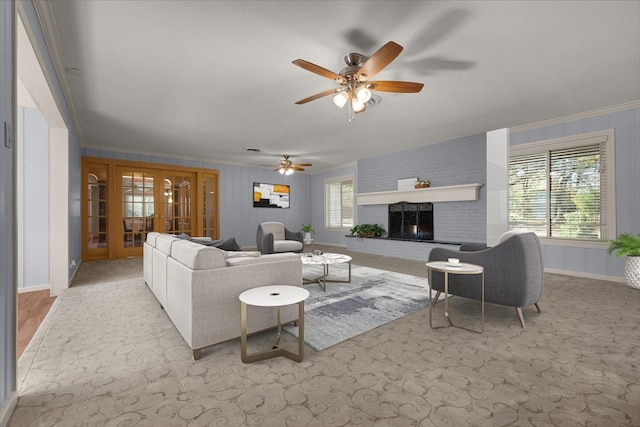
{"x":432,"y":302}
{"x":275,"y":351}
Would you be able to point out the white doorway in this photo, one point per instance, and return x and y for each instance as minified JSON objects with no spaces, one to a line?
{"x":35,"y":83}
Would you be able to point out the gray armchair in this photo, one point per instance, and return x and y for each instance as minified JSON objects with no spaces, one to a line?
{"x":274,"y":237}
{"x":514,"y":272}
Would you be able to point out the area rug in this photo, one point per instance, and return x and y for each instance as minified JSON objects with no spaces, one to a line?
{"x":373,"y":298}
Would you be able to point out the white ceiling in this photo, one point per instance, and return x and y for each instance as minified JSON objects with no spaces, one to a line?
{"x":206,"y":79}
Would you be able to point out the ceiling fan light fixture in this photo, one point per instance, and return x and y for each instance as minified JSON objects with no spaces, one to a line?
{"x":357,"y":105}
{"x":281,"y":170}
{"x":363,"y":94}
{"x":340,"y":99}
{"x":289,"y":172}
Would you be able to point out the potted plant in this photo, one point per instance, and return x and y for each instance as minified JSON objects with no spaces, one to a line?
{"x":628,"y":245}
{"x":307,"y":229}
{"x":367,"y":230}
{"x":423,"y":183}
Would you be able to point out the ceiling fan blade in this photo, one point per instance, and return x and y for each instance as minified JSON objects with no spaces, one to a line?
{"x":394,"y":86}
{"x":380,"y":59}
{"x":302,"y":164}
{"x":318,"y":70}
{"x":296,"y":168}
{"x":318,"y":95}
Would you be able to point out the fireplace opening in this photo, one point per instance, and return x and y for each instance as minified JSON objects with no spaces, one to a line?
{"x":411,"y":221}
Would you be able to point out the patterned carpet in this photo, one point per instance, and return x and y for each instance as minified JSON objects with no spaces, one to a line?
{"x":107,"y":355}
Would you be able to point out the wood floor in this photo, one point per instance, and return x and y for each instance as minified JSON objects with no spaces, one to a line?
{"x":32,"y":309}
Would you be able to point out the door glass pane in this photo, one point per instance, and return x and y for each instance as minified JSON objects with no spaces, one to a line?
{"x":209,"y":188}
{"x":96,"y":206}
{"x":137,"y":207}
{"x":177,"y":204}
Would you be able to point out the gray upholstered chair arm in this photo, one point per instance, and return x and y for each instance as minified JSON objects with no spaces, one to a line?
{"x":293,"y":235}
{"x":472,"y":247}
{"x":266,"y":243}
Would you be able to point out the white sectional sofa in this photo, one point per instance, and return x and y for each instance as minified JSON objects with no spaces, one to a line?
{"x":199,"y":285}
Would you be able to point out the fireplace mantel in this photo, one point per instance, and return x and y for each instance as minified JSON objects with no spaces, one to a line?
{"x":451,"y":193}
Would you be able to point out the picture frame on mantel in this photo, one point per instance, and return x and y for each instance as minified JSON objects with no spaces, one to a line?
{"x":271,"y":195}
{"x":407,"y":183}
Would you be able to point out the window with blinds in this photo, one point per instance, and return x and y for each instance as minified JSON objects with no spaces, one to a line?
{"x":339,"y":203}
{"x":560,"y":190}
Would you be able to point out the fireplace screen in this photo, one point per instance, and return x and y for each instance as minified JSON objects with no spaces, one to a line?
{"x":411,"y":221}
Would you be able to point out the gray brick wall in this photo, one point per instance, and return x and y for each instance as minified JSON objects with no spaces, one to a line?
{"x":459,"y":161}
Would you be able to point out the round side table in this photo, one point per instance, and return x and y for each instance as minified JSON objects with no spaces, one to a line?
{"x":447,"y":269}
{"x":272,"y":296}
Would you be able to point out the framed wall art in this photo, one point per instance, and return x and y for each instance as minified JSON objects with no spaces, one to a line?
{"x":270,"y":195}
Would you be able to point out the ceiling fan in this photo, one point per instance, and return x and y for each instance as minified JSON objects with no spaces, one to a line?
{"x":287,"y":167}
{"x":355,"y":87}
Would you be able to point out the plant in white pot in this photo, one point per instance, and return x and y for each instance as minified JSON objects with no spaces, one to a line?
{"x":628,"y":245}
{"x":307,"y":229}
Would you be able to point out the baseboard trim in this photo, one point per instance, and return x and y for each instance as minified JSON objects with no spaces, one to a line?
{"x":34,"y":288}
{"x":8,"y":408}
{"x":336,"y":245}
{"x":585,"y":275}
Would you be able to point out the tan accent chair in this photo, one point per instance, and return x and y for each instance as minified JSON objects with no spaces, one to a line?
{"x":274,"y":237}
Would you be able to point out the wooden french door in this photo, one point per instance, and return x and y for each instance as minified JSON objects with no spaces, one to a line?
{"x":151,"y":200}
{"x":123,"y":201}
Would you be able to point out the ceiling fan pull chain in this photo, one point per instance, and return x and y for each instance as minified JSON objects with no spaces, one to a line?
{"x":352,"y":114}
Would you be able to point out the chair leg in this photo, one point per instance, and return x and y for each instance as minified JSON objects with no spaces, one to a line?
{"x":520,"y":317}
{"x":197,"y":354}
{"x":538,"y":308}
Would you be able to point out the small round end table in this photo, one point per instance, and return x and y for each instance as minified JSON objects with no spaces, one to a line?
{"x":446,"y":268}
{"x":272,"y":296}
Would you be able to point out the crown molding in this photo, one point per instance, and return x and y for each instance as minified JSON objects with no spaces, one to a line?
{"x":577,"y":116}
{"x":52,"y":40}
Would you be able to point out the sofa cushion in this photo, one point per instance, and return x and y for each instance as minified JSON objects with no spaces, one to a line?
{"x":164,"y":243}
{"x":151,"y":238}
{"x":228,"y":244}
{"x":196,"y":256}
{"x":261,"y":259}
{"x":238,"y":254}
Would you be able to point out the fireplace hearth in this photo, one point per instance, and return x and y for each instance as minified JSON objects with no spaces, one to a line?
{"x":411,"y":221}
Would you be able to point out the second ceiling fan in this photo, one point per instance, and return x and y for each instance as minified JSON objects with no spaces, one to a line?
{"x":287,"y":167}
{"x":354,"y":81}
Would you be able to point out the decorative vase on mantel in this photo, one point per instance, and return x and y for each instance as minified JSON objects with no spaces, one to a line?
{"x":422,"y":184}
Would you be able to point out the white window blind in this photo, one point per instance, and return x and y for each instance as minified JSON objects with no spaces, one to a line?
{"x":339,"y":203}
{"x":561,"y":193}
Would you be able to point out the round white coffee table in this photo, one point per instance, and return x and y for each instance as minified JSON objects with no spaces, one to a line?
{"x":446,"y":268}
{"x":272,"y":296}
{"x":325,"y":260}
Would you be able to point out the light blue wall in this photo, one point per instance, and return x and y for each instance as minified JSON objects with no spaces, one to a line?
{"x":238,"y":217}
{"x":627,"y":138}
{"x":33,"y":198}
{"x":30,"y":17}
{"x":7,"y":273}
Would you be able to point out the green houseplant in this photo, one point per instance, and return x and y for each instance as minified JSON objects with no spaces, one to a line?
{"x":367,"y":230}
{"x":307,"y":229}
{"x":628,"y":245}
